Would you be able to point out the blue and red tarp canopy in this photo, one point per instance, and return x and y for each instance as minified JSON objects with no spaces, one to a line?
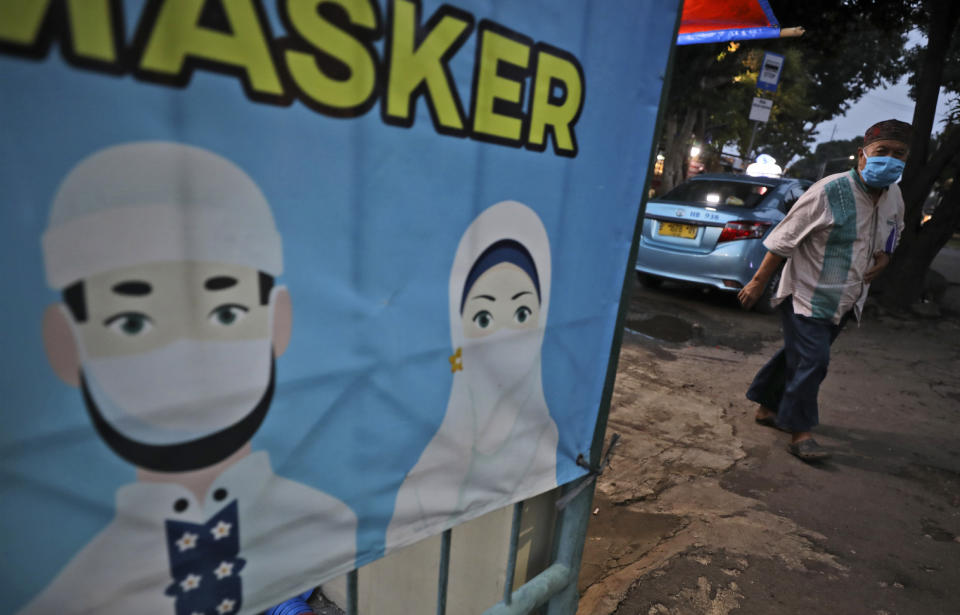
{"x":717,"y":21}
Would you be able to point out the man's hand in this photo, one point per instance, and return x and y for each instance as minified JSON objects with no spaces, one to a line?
{"x":750,"y":294}
{"x":881,"y":260}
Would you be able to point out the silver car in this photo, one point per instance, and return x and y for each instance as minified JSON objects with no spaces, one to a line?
{"x":709,"y":230}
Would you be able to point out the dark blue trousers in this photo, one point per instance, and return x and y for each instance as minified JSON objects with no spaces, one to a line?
{"x":790,"y":381}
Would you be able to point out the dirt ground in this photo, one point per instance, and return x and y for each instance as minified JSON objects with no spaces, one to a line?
{"x":703,"y":511}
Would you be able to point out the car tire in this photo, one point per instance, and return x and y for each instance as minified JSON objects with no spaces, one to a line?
{"x":649,"y":281}
{"x":765,"y":304}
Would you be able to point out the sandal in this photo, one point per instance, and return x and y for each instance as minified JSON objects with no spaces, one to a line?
{"x":808,"y":450}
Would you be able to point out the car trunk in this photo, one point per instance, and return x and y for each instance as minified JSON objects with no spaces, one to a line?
{"x":688,"y":228}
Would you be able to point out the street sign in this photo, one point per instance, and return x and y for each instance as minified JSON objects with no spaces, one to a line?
{"x":770,"y":70}
{"x":760,"y":109}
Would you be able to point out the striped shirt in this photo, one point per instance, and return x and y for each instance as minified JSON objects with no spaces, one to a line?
{"x":829,"y":237}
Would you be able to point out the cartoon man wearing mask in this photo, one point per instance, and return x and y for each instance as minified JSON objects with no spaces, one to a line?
{"x":170,"y":325}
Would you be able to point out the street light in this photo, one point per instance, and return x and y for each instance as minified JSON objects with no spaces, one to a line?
{"x":694,"y":151}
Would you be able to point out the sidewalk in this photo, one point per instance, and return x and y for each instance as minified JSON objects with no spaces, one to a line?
{"x":703,"y":511}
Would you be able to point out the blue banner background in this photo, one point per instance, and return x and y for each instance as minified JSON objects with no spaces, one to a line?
{"x":370,"y":217}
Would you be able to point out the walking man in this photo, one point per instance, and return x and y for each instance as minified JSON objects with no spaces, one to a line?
{"x":834,"y":242}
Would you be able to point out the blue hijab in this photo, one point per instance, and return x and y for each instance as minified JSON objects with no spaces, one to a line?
{"x":503,"y":251}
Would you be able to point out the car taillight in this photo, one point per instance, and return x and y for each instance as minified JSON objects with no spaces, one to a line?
{"x":743,"y":229}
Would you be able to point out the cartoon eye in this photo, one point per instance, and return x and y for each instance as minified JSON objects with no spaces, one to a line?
{"x":130,"y":324}
{"x":522,"y":314}
{"x":227,"y":314}
{"x":483,"y":319}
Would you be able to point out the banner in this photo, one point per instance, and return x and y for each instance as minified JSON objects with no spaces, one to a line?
{"x":292,"y":284}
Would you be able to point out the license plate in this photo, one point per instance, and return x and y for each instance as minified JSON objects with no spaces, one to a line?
{"x":675,"y":229}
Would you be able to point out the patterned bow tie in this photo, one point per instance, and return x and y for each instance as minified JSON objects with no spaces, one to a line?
{"x":204,"y":564}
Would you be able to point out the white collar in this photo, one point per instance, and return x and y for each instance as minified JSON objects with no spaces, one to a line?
{"x":154,"y":503}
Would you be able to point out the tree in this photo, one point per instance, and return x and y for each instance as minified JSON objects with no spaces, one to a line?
{"x":935,"y":66}
{"x":698,"y":70}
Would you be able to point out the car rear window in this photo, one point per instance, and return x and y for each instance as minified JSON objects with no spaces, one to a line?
{"x":718,"y":192}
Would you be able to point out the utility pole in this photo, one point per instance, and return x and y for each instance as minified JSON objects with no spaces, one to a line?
{"x":753,"y":136}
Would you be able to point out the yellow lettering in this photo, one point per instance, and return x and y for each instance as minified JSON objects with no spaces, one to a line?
{"x":329,"y":59}
{"x":546,"y":111}
{"x":91,"y":30}
{"x":412,"y":66}
{"x":90,"y":22}
{"x":177,"y":36}
{"x":20,"y":21}
{"x":495,"y":49}
{"x":349,"y":96}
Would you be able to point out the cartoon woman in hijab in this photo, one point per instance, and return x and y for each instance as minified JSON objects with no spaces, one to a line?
{"x":497,"y":442}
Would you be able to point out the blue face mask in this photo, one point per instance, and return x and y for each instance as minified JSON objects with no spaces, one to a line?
{"x":881,"y":171}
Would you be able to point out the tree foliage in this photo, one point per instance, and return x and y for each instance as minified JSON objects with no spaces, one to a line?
{"x":850,"y":47}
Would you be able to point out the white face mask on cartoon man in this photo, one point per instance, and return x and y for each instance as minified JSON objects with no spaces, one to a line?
{"x":175,"y":355}
{"x":165,"y":255}
{"x":183,"y":391}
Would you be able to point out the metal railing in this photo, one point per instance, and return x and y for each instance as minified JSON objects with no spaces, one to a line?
{"x":556,"y":586}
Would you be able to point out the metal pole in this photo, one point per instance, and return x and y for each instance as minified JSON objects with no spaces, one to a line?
{"x":753,"y":134}
{"x":512,"y":555}
{"x":444,"y":575}
{"x":535,"y":592}
{"x":352,"y":593}
{"x":569,"y":548}
{"x":558,"y":583}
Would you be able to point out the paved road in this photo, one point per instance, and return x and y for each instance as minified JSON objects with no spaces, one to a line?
{"x":703,"y":511}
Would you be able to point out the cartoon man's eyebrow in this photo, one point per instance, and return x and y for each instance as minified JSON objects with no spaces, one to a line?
{"x":520,"y":294}
{"x":219,"y":282}
{"x":488,"y":297}
{"x":132,"y":288}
